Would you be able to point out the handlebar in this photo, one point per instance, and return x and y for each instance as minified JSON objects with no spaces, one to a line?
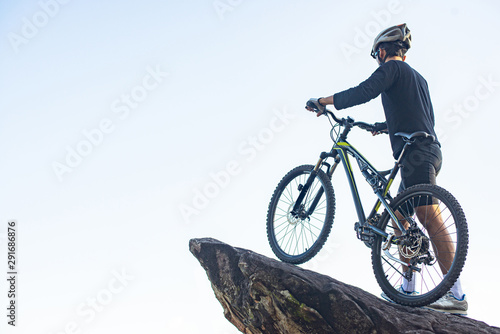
{"x":346,"y":122}
{"x":349,"y":121}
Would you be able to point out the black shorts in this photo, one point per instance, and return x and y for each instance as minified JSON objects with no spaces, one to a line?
{"x":421,"y":164}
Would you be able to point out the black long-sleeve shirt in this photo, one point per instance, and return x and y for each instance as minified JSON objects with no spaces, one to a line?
{"x":405,"y":97}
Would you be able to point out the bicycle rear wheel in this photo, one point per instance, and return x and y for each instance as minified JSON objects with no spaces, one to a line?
{"x":435,"y":246}
{"x":297,"y":237}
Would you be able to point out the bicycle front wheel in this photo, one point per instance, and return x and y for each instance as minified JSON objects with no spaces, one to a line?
{"x":296,"y":237}
{"x":418,"y":266}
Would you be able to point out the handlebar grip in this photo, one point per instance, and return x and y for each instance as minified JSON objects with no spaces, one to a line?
{"x":365,"y":126}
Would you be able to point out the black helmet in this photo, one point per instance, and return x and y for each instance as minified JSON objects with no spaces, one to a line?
{"x":399,"y":34}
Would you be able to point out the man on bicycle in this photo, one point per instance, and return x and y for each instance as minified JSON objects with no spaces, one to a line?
{"x":408,"y":108}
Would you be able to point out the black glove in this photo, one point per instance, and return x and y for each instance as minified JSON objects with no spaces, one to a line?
{"x":380,"y":127}
{"x":315,"y":105}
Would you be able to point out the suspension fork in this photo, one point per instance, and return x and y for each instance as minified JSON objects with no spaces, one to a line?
{"x":320,"y":192}
{"x":310,"y":180}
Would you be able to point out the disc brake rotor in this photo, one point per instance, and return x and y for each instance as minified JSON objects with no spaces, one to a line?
{"x":410,"y":251}
{"x":294,"y":218}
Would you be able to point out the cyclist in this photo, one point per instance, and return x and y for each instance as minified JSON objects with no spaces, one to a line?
{"x":408,"y":108}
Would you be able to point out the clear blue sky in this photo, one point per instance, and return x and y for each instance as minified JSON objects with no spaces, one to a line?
{"x":128,"y":128}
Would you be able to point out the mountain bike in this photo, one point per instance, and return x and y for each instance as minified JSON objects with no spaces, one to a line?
{"x":421,"y":236}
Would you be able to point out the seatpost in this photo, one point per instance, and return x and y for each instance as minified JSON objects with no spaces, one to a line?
{"x":403,"y":151}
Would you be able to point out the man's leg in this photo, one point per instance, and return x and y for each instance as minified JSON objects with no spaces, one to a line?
{"x":442,"y":243}
{"x":432,"y":220}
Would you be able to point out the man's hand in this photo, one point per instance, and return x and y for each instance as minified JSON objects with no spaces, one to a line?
{"x":314,"y":106}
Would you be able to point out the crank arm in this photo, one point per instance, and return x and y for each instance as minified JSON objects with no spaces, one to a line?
{"x":387,"y":244}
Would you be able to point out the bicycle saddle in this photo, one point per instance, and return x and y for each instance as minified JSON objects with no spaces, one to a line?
{"x":408,"y":136}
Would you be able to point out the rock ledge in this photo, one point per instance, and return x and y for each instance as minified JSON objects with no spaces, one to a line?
{"x":262,"y":295}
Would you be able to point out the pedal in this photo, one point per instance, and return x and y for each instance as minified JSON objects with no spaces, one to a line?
{"x":364,"y":234}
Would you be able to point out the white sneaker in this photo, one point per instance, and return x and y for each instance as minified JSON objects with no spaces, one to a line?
{"x":401,"y":290}
{"x":450,"y":304}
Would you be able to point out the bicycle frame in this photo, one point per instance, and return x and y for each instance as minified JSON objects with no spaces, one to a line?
{"x":375,"y":179}
{"x":340,"y":152}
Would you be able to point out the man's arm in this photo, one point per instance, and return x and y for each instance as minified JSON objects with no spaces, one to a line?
{"x":380,"y":80}
{"x":365,"y":91}
{"x":326,"y":100}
